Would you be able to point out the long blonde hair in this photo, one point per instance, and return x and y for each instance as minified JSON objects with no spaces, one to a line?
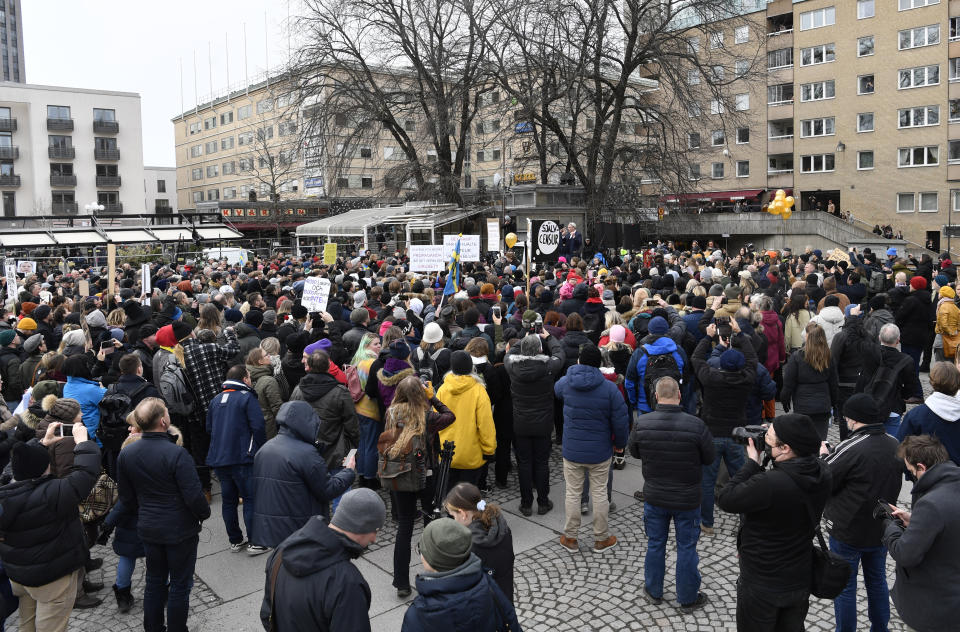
{"x":408,"y":410}
{"x":816,"y":351}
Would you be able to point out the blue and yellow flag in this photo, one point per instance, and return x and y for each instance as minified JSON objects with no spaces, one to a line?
{"x":453,"y":271}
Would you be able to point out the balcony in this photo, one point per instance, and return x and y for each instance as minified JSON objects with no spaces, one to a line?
{"x":59,"y":125}
{"x":9,"y":152}
{"x":106,"y":154}
{"x":62,"y":153}
{"x":163,"y":209}
{"x":111,"y":208}
{"x":10,"y":181}
{"x":65,"y":208}
{"x":57,"y":180}
{"x":8,"y":124}
{"x":108,"y":181}
{"x":106,"y":127}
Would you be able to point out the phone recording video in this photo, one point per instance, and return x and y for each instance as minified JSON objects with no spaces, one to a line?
{"x":65,"y":430}
{"x":107,"y":346}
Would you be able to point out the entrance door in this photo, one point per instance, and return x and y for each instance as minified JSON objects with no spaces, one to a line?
{"x":933,"y":240}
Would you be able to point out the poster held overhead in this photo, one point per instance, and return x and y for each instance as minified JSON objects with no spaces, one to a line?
{"x":316,"y":291}
{"x":544,"y":236}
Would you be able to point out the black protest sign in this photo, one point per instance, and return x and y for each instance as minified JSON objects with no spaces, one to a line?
{"x":545,"y":235}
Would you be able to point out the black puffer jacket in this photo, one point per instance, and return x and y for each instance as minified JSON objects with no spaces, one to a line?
{"x":531,"y":385}
{"x":725,"y":393}
{"x":494,"y":547}
{"x":807,"y":390}
{"x":873,"y":356}
{"x":672,"y":447}
{"x":916,"y":318}
{"x":845,"y":356}
{"x":338,"y":416}
{"x":42,"y":538}
{"x":570,"y":343}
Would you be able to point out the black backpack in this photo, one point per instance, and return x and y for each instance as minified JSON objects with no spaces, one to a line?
{"x":884,"y":385}
{"x":877,"y":281}
{"x":114,"y":408}
{"x":658,"y":366}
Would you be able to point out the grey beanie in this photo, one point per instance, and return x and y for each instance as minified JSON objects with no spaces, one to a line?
{"x":360,"y":511}
{"x":270,"y":317}
{"x":33,"y":343}
{"x":96,"y":319}
{"x":445,"y":544}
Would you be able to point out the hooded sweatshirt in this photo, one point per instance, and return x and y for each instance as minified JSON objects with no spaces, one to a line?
{"x":473,"y":431}
{"x":831,"y":320}
{"x":938,"y":417}
{"x":494,"y":547}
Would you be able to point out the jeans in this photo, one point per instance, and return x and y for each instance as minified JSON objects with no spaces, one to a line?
{"x":734,"y":455}
{"x":892,"y":424}
{"x":367,"y":456}
{"x":686,"y":524}
{"x":874,"y":561}
{"x":125,"y":566}
{"x":573,"y":475}
{"x":917,"y":354}
{"x":406,"y":504}
{"x":333,"y":471}
{"x":169,"y":580}
{"x":236,"y":482}
{"x":762,"y":611}
{"x":533,"y":468}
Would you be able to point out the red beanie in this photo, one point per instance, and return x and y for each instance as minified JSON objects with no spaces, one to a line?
{"x":166,"y":337}
{"x":918,"y":283}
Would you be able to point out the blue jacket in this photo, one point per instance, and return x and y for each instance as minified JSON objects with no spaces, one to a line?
{"x":465,"y":598}
{"x":636,"y":369}
{"x":939,"y":416}
{"x":290,"y":477}
{"x":595,"y":417}
{"x":692,"y":321}
{"x":126,"y":542}
{"x":236,"y":426}
{"x":764,"y":388}
{"x":88,"y":394}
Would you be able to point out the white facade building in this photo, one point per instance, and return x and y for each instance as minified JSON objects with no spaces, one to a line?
{"x":160,"y":190}
{"x":62,"y":149}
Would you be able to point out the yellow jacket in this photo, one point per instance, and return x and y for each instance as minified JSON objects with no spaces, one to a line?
{"x":948,"y":326}
{"x":473,"y":431}
{"x":793,"y":330}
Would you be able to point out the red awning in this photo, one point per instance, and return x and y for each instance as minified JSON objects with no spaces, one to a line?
{"x":712,"y":196}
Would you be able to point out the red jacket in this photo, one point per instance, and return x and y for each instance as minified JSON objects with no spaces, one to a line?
{"x":773,"y":331}
{"x":628,"y":339}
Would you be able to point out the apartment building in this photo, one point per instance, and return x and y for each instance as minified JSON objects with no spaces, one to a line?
{"x":160,"y":190}
{"x":62,"y":149}
{"x":11,"y":42}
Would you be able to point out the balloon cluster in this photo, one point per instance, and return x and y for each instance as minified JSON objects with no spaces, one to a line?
{"x":510,"y":239}
{"x":781,"y":205}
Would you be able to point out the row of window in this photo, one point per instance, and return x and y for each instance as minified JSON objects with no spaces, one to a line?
{"x":741,"y":103}
{"x":284,"y":128}
{"x":827,"y":16}
{"x":66,"y":169}
{"x":263,"y":106}
{"x":59,"y":141}
{"x":63,"y":112}
{"x":741,"y":35}
{"x":103,"y":197}
{"x":717,"y":170}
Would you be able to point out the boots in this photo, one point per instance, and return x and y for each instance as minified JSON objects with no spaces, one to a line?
{"x":124,"y":598}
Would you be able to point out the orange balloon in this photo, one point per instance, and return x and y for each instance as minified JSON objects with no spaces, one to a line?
{"x":773,"y":210}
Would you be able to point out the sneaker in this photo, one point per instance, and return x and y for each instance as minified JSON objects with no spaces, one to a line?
{"x":698,"y":603}
{"x":603,"y":545}
{"x":238,"y":546}
{"x":87,"y":601}
{"x":613,"y":507}
{"x":254,"y":549}
{"x":707,"y":531}
{"x":526,"y":510}
{"x":650,"y":599}
{"x":638,"y":495}
{"x":569,"y":544}
{"x":403,"y":593}
{"x":545,"y":508}
{"x":584,"y":508}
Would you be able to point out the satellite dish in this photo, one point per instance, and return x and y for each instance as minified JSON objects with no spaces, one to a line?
{"x":496,"y":179}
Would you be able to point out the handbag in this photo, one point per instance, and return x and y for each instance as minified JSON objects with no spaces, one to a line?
{"x":829,"y":571}
{"x":101,"y":500}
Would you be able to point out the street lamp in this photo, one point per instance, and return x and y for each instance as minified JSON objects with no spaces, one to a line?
{"x":93,"y":207}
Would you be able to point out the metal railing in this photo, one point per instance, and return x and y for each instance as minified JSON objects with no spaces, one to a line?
{"x":9,"y":152}
{"x":106,"y":127}
{"x":62,"y":153}
{"x":8,"y":124}
{"x":65,"y":208}
{"x":106,"y":154}
{"x":108,"y":181}
{"x":112,"y":207}
{"x":58,"y":180}
{"x":11,"y":180}
{"x":59,"y":125}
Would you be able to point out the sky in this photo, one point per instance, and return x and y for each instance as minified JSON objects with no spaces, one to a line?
{"x":137,"y":46}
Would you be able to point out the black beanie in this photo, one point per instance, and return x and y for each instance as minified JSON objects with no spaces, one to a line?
{"x":181,"y":330}
{"x":863,"y":409}
{"x":590,"y":355}
{"x":298,"y":311}
{"x":698,"y":302}
{"x":254,"y":318}
{"x":29,"y":460}
{"x":461,"y":363}
{"x":798,"y":432}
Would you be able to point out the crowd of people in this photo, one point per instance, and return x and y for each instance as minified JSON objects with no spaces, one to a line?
{"x":121,"y":409}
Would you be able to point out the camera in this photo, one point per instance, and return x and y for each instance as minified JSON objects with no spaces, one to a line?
{"x":742,"y":435}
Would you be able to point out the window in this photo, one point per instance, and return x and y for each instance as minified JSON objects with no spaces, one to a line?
{"x":780,"y":58}
{"x":693,"y":45}
{"x":366,"y":182}
{"x":266,"y":105}
{"x":196,"y":173}
{"x":954,"y":65}
{"x":817,"y":127}
{"x":817,"y":55}
{"x":343,"y":183}
{"x":481,"y":156}
{"x":196,"y":151}
{"x":865,"y":9}
{"x":265,"y":133}
{"x":410,"y":125}
{"x":743,"y":168}
{"x":741,"y":102}
{"x":865,"y":46}
{"x":244,"y":112}
{"x":717,"y":73}
{"x":245,"y":164}
{"x":919,"y":36}
{"x":391,"y":153}
{"x":61,"y":169}
{"x":782,"y":163}
{"x":693,"y":78}
{"x":58,"y":111}
{"x":817,"y":18}
{"x":716,"y":39}
{"x":100,"y":114}
{"x":226,"y":143}
{"x":954,"y":110}
{"x":58,"y":142}
{"x":110,"y":171}
{"x":916,"y":4}
{"x":479,"y":126}
{"x":229,"y":193}
{"x":229,"y":168}
{"x":780,"y":93}
{"x":694,"y":110}
{"x":718,"y":138}
{"x":366,"y":152}
{"x":953,"y":152}
{"x":741,"y":67}
{"x":63,"y":197}
{"x":213,"y":194}
{"x":716,"y":107}
{"x":226,"y":117}
{"x":865,"y":122}
{"x":108,"y":197}
{"x":743,"y":135}
{"x":210,"y":123}
{"x":213,"y":171}
{"x":245,"y":138}
{"x":693,"y":140}
{"x":741,"y":34}
{"x":929,"y":202}
{"x":865,"y":84}
{"x":817,"y":91}
{"x":286,"y":128}
{"x":105,"y":144}
{"x":817,"y":163}
{"x":211,"y":147}
{"x":905,"y":201}
{"x":161,"y":186}
{"x":194,"y":128}
{"x":918,"y":117}
{"x":716,"y":170}
{"x":928,"y":156}
{"x":919,"y":77}
{"x":780,"y":129}
{"x":694,"y":172}
{"x":864,"y":160}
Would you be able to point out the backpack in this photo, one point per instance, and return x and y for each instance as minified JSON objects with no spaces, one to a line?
{"x":114,"y":408}
{"x":460,"y":342}
{"x":407,"y":471}
{"x":884,"y":385}
{"x":353,"y":383}
{"x":876,"y":281}
{"x":174,"y":389}
{"x":427,"y":365}
{"x":659,"y":365}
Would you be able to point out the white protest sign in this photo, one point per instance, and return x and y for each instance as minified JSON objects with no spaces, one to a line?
{"x":145,"y":283}
{"x":428,"y":258}
{"x":316,"y":291}
{"x":27,"y":267}
{"x":493,"y":234}
{"x":10,"y":271}
{"x":469,"y":246}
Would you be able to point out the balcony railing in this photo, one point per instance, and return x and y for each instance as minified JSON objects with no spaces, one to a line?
{"x":163,"y":209}
{"x":108,"y":181}
{"x":783,"y":32}
{"x":65,"y":208}
{"x":59,"y":125}
{"x":10,"y":181}
{"x":106,"y":127}
{"x":8,"y":124}
{"x":106,"y":154}
{"x":9,"y":152}
{"x":784,"y":137}
{"x":62,"y":153}
{"x":774,"y":172}
{"x":57,"y":180}
{"x":112,"y":208}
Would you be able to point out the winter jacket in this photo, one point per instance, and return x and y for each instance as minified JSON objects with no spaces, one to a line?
{"x":42,"y":537}
{"x":88,"y":393}
{"x":293,"y":369}
{"x":594,"y":319}
{"x":494,"y":547}
{"x":916,"y":318}
{"x":637,"y":369}
{"x":937,"y":416}
{"x":125,"y":540}
{"x":235,"y":425}
{"x":831,"y":320}
{"x":531,"y":385}
{"x":776,"y":350}
{"x":473,"y":431}
{"x":317,"y":589}
{"x":845,"y":355}
{"x":873,"y":356}
{"x":157,"y":479}
{"x":764,"y":388}
{"x":806,"y":390}
{"x":269,"y":394}
{"x":875,"y":321}
{"x":248,"y":339}
{"x":927,"y":553}
{"x":842,"y":297}
{"x":465,"y":597}
{"x":351,"y":339}
{"x":948,"y":326}
{"x":725,"y":393}
{"x":27,"y":369}
{"x":672,"y":446}
{"x":595,"y":417}
{"x":570,"y":343}
{"x":692,"y":322}
{"x":793,"y":328}
{"x":290,"y":477}
{"x":13,"y":385}
{"x":864,"y":468}
{"x":777,"y":530}
{"x":338,"y":416}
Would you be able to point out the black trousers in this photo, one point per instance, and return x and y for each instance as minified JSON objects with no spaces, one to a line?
{"x":406,"y":504}
{"x":761,"y":611}
{"x":197,"y":443}
{"x":533,"y":468}
{"x":844,"y":393}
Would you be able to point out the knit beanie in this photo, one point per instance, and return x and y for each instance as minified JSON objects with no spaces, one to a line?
{"x":27,"y":307}
{"x":33,"y":343}
{"x":590,"y":355}
{"x":618,"y":333}
{"x":6,"y":337}
{"x":75,"y":338}
{"x":461,"y":363}
{"x":96,"y":319}
{"x":798,"y":432}
{"x":918,"y":283}
{"x":254,"y":318}
{"x":732,"y":360}
{"x":41,"y":312}
{"x":298,"y":311}
{"x":947,"y":292}
{"x":29,"y":324}
{"x":324,"y":344}
{"x":166,"y":337}
{"x":399,"y":349}
{"x":232,"y":315}
{"x":64,"y":410}
{"x":360,"y":511}
{"x":270,"y":317}
{"x":43,"y":388}
{"x":445,"y":544}
{"x":181,"y":330}
{"x":29,"y":460}
{"x":658,"y":325}
{"x":862,"y":408}
{"x":941,"y":280}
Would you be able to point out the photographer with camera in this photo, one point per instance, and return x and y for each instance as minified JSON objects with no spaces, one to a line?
{"x":781,"y":508}
{"x":926,"y":543}
{"x":864,"y":468}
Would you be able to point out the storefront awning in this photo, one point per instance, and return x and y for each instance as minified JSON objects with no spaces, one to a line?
{"x":12,"y":240}
{"x":79,"y":237}
{"x":118,"y":236}
{"x":714,"y":196}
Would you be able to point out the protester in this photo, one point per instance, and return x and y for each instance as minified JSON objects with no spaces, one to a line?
{"x":472,"y":430}
{"x":810,"y":380}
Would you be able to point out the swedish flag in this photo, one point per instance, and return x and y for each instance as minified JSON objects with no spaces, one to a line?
{"x":453,"y":271}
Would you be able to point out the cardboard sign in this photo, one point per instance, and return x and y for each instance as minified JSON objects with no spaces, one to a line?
{"x":469,"y":246}
{"x":145,"y":283}
{"x":10,"y":272}
{"x":493,"y":234}
{"x":83,"y":287}
{"x":330,"y":254}
{"x":545,"y":240}
{"x":316,"y":291}
{"x":428,"y":258}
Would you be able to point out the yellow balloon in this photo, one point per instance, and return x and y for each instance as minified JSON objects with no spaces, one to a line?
{"x":786,"y":214}
{"x":789,"y":201}
{"x":510,"y":239}
{"x":773,"y":209}
{"x":780,"y":194}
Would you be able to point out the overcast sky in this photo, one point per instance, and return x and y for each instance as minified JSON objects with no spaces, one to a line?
{"x":134,"y":46}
